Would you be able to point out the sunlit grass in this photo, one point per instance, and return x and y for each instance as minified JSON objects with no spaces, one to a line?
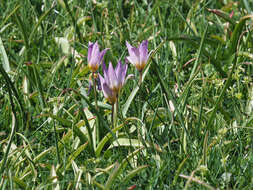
{"x":187,"y":125}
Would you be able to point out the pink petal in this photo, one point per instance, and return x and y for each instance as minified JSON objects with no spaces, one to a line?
{"x":121,"y":73}
{"x":95,"y":54}
{"x":143,"y":50}
{"x":105,"y":71}
{"x":101,"y":55}
{"x":106,"y":90}
{"x":90,"y":47}
{"x":129,"y":47}
{"x":112,"y":78}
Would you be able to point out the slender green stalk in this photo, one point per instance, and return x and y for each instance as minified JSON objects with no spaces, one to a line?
{"x":96,"y":106}
{"x":112,"y":116}
{"x":116,"y":111}
{"x":73,"y":21}
{"x":13,"y":130}
{"x":56,"y":144}
{"x":140,"y":78}
{"x":94,"y":88}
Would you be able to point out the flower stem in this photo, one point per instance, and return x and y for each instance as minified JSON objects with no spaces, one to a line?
{"x":96,"y":106}
{"x":140,"y":78}
{"x":112,"y":116}
{"x":116,"y":112}
{"x":95,"y":92}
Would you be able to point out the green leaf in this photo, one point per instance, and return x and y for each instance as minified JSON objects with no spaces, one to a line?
{"x":5,"y":60}
{"x":179,"y":170}
{"x":223,"y":15}
{"x":236,"y":34}
{"x":68,"y":124}
{"x":39,"y":22}
{"x":106,"y":138}
{"x":134,"y":172}
{"x":126,"y":142}
{"x":220,"y":98}
{"x":19,"y":182}
{"x":118,"y":169}
{"x":75,"y":154}
{"x":10,"y":15}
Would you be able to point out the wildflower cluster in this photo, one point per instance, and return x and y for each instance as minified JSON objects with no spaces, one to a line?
{"x":113,"y":80}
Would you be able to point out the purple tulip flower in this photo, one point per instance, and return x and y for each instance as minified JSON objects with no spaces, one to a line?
{"x":94,"y":56}
{"x":113,"y":80}
{"x":138,"y":56}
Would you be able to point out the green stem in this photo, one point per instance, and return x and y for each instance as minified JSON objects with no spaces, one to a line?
{"x":74,"y":21}
{"x":56,"y":144}
{"x":96,"y":106}
{"x":13,"y":131}
{"x":112,"y":116}
{"x":115,"y":112}
{"x":95,"y":92}
{"x":140,"y":78}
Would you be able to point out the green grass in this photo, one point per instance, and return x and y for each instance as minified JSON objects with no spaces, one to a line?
{"x":201,"y":63}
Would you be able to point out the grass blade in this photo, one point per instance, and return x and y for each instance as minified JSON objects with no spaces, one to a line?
{"x":5,"y":60}
{"x":133,"y":173}
{"x":236,"y":34}
{"x":220,"y":98}
{"x":39,"y":22}
{"x":118,"y":168}
{"x":199,"y":52}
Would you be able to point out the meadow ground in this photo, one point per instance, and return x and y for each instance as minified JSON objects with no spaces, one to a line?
{"x":183,"y":120}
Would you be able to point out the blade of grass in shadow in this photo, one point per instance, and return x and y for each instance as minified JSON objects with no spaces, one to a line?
{"x":11,"y":88}
{"x":233,"y":59}
{"x":179,"y":170}
{"x":68,"y":124}
{"x":248,"y":122}
{"x":197,"y":181}
{"x":205,"y":147}
{"x":87,"y":124}
{"x":19,"y":182}
{"x":182,"y":17}
{"x":56,"y":144}
{"x":98,"y":184}
{"x":23,"y":31}
{"x":193,"y":74}
{"x":168,"y":93}
{"x":13,"y":130}
{"x":223,"y":15}
{"x":199,"y":53}
{"x":74,"y":21}
{"x":196,"y":39}
{"x":39,"y":85}
{"x":118,"y":168}
{"x":39,"y":22}
{"x":133,"y":173}
{"x":220,"y":98}
{"x":195,"y":42}
{"x":5,"y":60}
{"x":106,"y":138}
{"x":10,"y":15}
{"x":95,"y":111}
{"x":156,"y":5}
{"x":75,"y":154}
{"x":236,"y":34}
